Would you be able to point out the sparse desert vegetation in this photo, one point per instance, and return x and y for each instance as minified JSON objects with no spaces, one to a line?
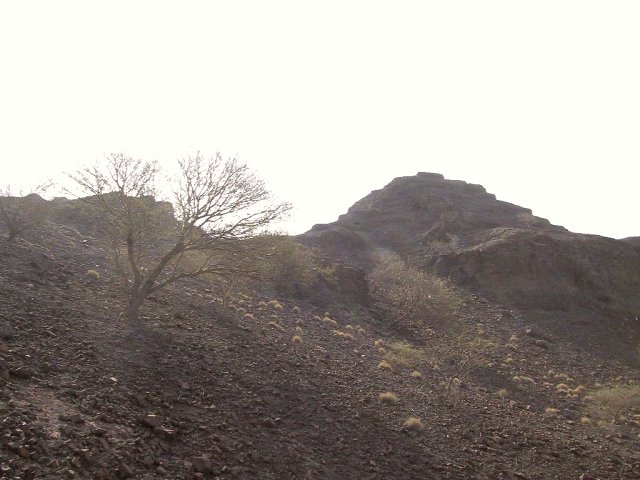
{"x":612,"y":402}
{"x":274,"y":375}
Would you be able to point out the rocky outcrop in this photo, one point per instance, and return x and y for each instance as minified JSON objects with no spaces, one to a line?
{"x":493,"y":247}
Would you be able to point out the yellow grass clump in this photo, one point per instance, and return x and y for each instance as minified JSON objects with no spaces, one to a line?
{"x":388,"y":397}
{"x":93,"y":274}
{"x":248,"y":316}
{"x":330,"y":321}
{"x":276,"y":325}
{"x":276,"y":305}
{"x":413,"y":423}
{"x":262,"y":304}
{"x":296,"y":339}
{"x":416,"y":374}
{"x":296,"y":309}
{"x":562,"y":388}
{"x":586,"y":421}
{"x":340,"y":334}
{"x":503,"y":392}
{"x":551,"y":411}
{"x":385,"y":366}
{"x":348,"y":327}
{"x":579,"y":390}
{"x":379,"y":343}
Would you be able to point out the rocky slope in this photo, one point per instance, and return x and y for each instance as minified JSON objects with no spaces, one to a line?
{"x":496,"y":249}
{"x":195,"y":392}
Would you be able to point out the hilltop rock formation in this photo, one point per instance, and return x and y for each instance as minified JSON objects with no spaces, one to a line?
{"x":500,"y":250}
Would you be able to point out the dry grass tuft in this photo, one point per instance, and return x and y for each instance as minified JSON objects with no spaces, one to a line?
{"x":586,"y":421}
{"x":359,"y":329}
{"x":296,"y":309}
{"x":379,"y":343}
{"x":248,"y":316}
{"x":276,"y":325}
{"x":93,"y":274}
{"x":416,"y":374}
{"x":296,"y":339}
{"x":562,"y":388}
{"x":388,"y":397}
{"x":349,"y":327}
{"x":330,"y":321}
{"x":299,"y":329}
{"x":551,"y":411}
{"x":579,"y":390}
{"x":385,"y":366}
{"x":503,"y":392}
{"x":414,"y":423}
{"x":340,"y":334}
{"x":262,"y":304}
{"x":276,"y":305}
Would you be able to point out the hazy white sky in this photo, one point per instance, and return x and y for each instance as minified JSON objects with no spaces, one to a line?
{"x":328,"y":100}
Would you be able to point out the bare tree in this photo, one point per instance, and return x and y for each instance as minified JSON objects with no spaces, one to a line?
{"x":219,"y":205}
{"x":23,"y":212}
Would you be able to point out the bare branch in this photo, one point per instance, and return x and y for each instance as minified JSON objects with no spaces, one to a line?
{"x":217,"y":204}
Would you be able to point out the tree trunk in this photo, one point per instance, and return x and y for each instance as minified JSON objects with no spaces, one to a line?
{"x":133,"y":307}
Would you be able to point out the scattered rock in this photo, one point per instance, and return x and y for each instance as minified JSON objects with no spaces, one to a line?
{"x":542,"y":344}
{"x":151,"y":420}
{"x":201,"y":464}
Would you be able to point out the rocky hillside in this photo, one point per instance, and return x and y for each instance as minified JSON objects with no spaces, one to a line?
{"x":497,"y":250}
{"x":284,"y":386}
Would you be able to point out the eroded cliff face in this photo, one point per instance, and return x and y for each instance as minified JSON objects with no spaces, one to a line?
{"x":493,"y":247}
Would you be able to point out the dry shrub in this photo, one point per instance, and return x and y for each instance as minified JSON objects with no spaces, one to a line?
{"x":613,"y":402}
{"x":402,"y":355}
{"x":410,"y":296}
{"x":19,"y":214}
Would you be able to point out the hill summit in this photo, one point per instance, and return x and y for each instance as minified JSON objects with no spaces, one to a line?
{"x":493,"y":247}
